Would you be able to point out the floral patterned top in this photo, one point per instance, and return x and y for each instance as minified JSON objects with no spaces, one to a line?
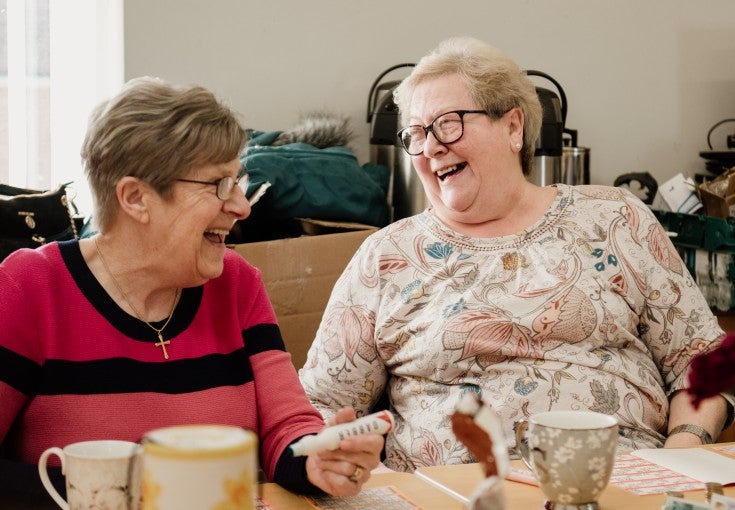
{"x":591,"y":308}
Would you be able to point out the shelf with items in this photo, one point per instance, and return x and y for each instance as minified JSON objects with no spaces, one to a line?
{"x":707,"y":246}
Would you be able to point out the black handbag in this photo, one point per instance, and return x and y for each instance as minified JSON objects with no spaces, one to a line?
{"x":30,"y":218}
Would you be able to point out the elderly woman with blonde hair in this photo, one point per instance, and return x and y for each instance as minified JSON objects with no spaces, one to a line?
{"x":538,"y":298}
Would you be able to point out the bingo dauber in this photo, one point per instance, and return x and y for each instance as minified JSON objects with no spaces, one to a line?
{"x":329,"y":438}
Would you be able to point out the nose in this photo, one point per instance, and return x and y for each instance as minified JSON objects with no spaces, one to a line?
{"x":237,"y":204}
{"x":432,"y":146}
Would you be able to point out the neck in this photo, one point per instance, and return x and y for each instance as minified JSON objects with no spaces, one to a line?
{"x":514,"y":213}
{"x":135,"y":288}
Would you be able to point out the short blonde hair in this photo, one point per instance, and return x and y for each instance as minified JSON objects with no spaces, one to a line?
{"x":156,"y":132}
{"x":495,"y":82}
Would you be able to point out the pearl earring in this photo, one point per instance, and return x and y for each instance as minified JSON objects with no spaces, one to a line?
{"x":518,"y":146}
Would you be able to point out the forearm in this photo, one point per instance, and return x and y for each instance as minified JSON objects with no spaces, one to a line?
{"x":710,"y":415}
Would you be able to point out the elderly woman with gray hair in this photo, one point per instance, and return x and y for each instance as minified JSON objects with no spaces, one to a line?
{"x":153,"y":322}
{"x":538,"y":298}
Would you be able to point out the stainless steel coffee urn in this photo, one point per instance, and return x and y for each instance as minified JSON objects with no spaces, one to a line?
{"x":406,"y":195}
{"x":547,"y":157}
{"x":557,"y":158}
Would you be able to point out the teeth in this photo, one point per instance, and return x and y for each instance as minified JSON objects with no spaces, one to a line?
{"x":221,"y":233}
{"x":445,"y":171}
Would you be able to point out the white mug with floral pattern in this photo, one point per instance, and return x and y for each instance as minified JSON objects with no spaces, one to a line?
{"x":207,"y":467}
{"x":571,"y":453}
{"x":98,"y":474}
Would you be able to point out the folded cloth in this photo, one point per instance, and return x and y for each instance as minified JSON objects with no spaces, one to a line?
{"x":308,"y":182}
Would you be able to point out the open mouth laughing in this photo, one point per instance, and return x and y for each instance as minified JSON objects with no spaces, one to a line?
{"x":216,"y":236}
{"x":450,"y":170}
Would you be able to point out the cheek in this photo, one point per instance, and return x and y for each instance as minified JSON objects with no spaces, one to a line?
{"x":420,"y":164}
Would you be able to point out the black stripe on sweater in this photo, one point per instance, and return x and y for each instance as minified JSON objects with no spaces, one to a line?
{"x":263,"y":337}
{"x":123,"y":375}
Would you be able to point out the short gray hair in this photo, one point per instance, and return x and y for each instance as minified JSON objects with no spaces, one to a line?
{"x":156,"y":132}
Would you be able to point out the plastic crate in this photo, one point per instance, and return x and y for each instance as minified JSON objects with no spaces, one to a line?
{"x":707,"y":246}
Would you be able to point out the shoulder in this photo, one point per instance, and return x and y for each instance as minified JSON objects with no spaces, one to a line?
{"x":600,"y":192}
{"x":236,"y":267}
{"x":27,"y":264}
{"x":608,"y":197}
{"x":403,"y":228}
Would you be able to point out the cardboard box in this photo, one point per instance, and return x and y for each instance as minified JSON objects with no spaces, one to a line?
{"x":299,"y":274}
{"x":718,"y":195}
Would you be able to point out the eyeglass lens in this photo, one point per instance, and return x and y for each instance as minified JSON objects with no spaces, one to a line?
{"x":447,"y":128}
{"x":227,"y":184}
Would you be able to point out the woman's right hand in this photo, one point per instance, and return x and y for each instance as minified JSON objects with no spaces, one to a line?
{"x":342,"y":472}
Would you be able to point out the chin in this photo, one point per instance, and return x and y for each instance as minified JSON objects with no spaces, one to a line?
{"x":212,"y":271}
{"x":209,"y":266}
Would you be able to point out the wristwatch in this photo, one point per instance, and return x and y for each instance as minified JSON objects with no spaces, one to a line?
{"x":698,"y":431}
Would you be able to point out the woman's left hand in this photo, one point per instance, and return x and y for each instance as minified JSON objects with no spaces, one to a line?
{"x":343,"y":471}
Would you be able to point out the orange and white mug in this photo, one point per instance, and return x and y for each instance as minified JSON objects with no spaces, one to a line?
{"x":199,"y":466}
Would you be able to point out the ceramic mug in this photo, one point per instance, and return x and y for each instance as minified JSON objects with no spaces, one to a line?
{"x":571,"y":453}
{"x":98,"y":474}
{"x":199,"y":466}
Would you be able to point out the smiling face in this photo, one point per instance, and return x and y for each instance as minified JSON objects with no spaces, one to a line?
{"x":194,"y":222}
{"x":474,"y":179}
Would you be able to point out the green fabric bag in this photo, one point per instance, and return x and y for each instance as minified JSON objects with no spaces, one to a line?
{"x":307,"y":182}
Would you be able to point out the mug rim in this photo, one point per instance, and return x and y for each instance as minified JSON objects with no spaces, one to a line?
{"x":573,"y":420}
{"x":240,"y":441}
{"x":102,"y":449}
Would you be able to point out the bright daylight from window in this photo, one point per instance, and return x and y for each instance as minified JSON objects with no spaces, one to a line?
{"x":58,"y":59}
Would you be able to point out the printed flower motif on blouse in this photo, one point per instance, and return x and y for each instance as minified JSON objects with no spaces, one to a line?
{"x":392,"y":264}
{"x":567,"y":318}
{"x":413,"y":290}
{"x":489,"y":337}
{"x":427,"y":450}
{"x":606,"y":399}
{"x":662,"y":249}
{"x":599,"y":254}
{"x":453,"y":309}
{"x":438,"y":250}
{"x":355,"y":337}
{"x":513,"y":260}
{"x":525,"y":385}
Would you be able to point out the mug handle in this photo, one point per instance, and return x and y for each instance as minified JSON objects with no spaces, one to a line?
{"x":522,"y":442}
{"x":43,"y":472}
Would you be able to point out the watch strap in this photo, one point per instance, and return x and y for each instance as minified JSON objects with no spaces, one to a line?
{"x":697,"y":430}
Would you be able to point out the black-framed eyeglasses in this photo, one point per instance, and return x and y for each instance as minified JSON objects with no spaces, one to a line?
{"x":447,"y":128}
{"x":225,"y":185}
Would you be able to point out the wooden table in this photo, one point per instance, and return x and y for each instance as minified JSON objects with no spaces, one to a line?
{"x":420,"y":492}
{"x":445,"y":488}
{"x":462,"y":480}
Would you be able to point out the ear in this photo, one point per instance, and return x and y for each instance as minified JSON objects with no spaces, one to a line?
{"x":134,"y":198}
{"x":515,"y":127}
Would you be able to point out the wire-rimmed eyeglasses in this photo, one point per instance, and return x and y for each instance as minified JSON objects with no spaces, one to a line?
{"x":447,"y":128}
{"x":226,"y":184}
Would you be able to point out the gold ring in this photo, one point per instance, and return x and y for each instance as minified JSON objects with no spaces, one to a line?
{"x":356,"y":475}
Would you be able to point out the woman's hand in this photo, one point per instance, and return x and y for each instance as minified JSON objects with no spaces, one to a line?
{"x":343,"y":471}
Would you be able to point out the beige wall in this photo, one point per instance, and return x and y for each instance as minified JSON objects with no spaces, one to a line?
{"x":645,"y":79}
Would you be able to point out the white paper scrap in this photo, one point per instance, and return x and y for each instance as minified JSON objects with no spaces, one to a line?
{"x":697,"y":463}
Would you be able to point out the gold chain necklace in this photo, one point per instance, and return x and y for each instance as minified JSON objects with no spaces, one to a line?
{"x":161,"y":342}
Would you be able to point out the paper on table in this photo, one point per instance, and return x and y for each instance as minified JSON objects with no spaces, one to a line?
{"x":697,"y":463}
{"x":376,"y":498}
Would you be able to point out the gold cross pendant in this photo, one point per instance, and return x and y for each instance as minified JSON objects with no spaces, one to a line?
{"x":162,"y":344}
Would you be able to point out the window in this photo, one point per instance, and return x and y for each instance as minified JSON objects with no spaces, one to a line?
{"x":58,"y":59}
